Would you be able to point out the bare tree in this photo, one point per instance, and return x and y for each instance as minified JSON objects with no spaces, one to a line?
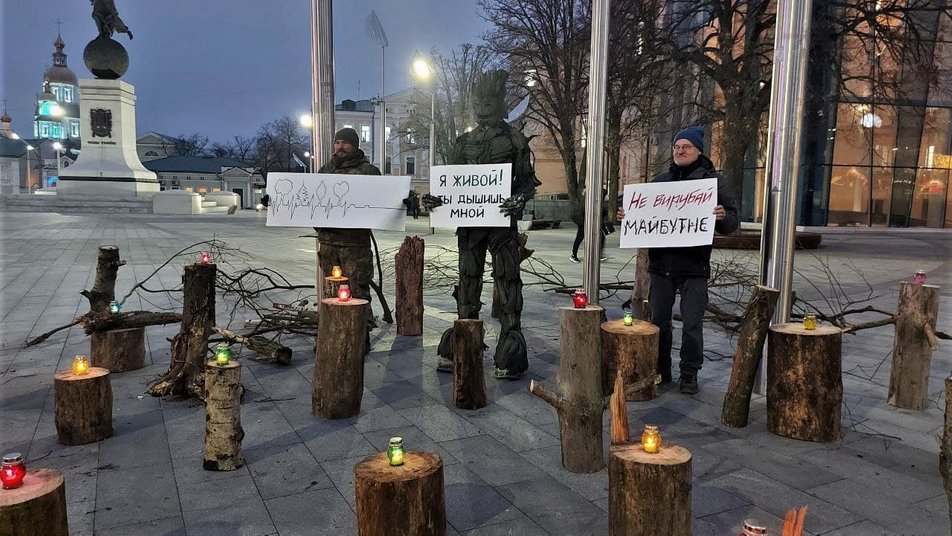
{"x":193,"y":144}
{"x":241,"y":148}
{"x":278,"y":142}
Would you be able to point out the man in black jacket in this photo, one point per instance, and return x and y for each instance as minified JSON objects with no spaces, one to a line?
{"x":685,"y":270}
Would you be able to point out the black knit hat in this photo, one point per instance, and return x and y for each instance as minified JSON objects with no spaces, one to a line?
{"x":349,"y":135}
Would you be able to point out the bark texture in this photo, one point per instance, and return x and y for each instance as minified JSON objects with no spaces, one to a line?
{"x":83,"y":406}
{"x":619,"y":413}
{"x":750,"y":346}
{"x":945,"y":448}
{"x":119,"y":350}
{"x":406,"y":500}
{"x":632,"y":351}
{"x":37,"y":508}
{"x":223,"y":432}
{"x":912,"y":350}
{"x":339,"y":360}
{"x":409,"y":292}
{"x":469,"y":383}
{"x":804,"y":382}
{"x":104,"y":286}
{"x":649,"y":493}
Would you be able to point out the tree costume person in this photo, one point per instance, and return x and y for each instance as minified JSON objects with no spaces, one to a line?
{"x":493,"y":141}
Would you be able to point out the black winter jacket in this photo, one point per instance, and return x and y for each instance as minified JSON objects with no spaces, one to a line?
{"x":694,"y":261}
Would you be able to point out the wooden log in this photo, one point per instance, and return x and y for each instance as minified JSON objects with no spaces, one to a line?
{"x":94,"y":322}
{"x":270,"y":350}
{"x":332,"y":285}
{"x":186,"y":375}
{"x":119,"y":350}
{"x":804,"y":382}
{"x":631,"y":350}
{"x":83,"y":406}
{"x":469,"y":384}
{"x":750,"y":346}
{"x":104,"y":286}
{"x":223,"y":432}
{"x":649,"y":493}
{"x":339,"y":359}
{"x":406,"y":500}
{"x":37,"y":508}
{"x":619,"y":412}
{"x":912,"y":349}
{"x":641,"y":287}
{"x":408,"y":264}
{"x":577,"y":397}
{"x":945,"y":447}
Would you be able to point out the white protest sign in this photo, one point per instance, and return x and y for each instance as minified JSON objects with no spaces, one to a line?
{"x":471,"y":195}
{"x":344,"y":201}
{"x":669,"y":214}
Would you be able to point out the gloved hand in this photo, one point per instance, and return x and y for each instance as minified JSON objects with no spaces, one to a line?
{"x":408,"y":200}
{"x":513,"y":206}
{"x":430,"y":202}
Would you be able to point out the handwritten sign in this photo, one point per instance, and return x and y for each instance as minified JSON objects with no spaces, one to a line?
{"x":471,"y":195}
{"x":669,"y":214}
{"x":344,"y":201}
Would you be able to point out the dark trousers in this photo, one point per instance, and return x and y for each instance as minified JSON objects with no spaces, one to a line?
{"x":693,"y":291}
{"x":580,"y":230}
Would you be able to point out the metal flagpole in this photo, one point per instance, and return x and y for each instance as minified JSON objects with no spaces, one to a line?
{"x":322,"y":97}
{"x":598,"y":71}
{"x":791,"y":49}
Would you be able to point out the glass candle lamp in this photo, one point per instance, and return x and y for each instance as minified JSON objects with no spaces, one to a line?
{"x":12,"y":471}
{"x":337,"y":273}
{"x":580,"y":299}
{"x":343,"y":293}
{"x":628,"y":319}
{"x":753,"y":527}
{"x":651,"y":439}
{"x":222,"y":354}
{"x":205,"y":258}
{"x":80,"y":365}
{"x":920,"y":277}
{"x":114,"y":306}
{"x":809,"y":321}
{"x":395,"y":452}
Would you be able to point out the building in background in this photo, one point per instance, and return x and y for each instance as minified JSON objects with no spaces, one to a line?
{"x":205,"y":174}
{"x":57,"y":106}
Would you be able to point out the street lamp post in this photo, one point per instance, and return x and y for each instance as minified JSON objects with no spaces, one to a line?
{"x":29,"y":169}
{"x":423,"y":71}
{"x":59,"y":148}
{"x":310,"y":161}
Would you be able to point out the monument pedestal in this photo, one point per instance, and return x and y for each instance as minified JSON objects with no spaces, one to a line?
{"x":108,"y":166}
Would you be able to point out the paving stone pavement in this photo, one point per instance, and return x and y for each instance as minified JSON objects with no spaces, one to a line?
{"x":503,"y":473}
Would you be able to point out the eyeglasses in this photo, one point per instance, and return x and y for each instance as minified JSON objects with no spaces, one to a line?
{"x":685,"y":147}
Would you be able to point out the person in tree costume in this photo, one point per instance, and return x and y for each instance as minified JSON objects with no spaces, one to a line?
{"x":493,"y":141}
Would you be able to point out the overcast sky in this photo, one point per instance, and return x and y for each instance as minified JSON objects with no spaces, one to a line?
{"x":225,"y":67}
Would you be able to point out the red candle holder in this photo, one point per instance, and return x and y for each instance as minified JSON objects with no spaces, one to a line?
{"x":343,"y":293}
{"x":580,"y":299}
{"x":12,"y":471}
{"x":920,"y":277}
{"x":206,"y":258}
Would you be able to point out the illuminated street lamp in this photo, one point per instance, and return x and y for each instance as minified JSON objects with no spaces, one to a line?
{"x":59,"y":148}
{"x":423,"y":72}
{"x":306,"y":121}
{"x":310,"y":161}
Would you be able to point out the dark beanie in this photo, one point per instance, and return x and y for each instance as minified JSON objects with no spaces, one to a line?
{"x":695,"y":135}
{"x":349,"y":135}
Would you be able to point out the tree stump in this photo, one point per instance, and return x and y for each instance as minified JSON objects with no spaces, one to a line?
{"x":408,"y":264}
{"x":631,"y":350}
{"x":945,"y":447}
{"x":406,"y":500}
{"x":37,"y":508}
{"x":83,"y":406}
{"x":649,"y":493}
{"x":223,"y":432}
{"x":804,"y":382}
{"x":641,"y":287}
{"x":750,"y":346}
{"x":104,"y":286}
{"x":469,"y":384}
{"x":332,"y":285}
{"x":186,"y":375}
{"x":912,"y":350}
{"x":578,"y":398}
{"x":619,"y":432}
{"x":339,"y":360}
{"x":119,"y":350}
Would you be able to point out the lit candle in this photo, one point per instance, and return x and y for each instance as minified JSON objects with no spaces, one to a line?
{"x":80,"y":365}
{"x":629,"y":318}
{"x":12,"y":471}
{"x":114,"y":306}
{"x":337,"y":273}
{"x":395,"y":452}
{"x":343,"y":293}
{"x":809,"y":321}
{"x":920,"y":277}
{"x":222,"y":354}
{"x":206,"y":258}
{"x":580,"y":299}
{"x":651,"y":439}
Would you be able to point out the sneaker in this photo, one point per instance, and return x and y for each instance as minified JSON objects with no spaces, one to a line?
{"x":444,"y":365}
{"x":687,"y":384}
{"x":504,"y":374}
{"x":573,"y":258}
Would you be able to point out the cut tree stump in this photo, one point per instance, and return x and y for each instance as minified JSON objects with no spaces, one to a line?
{"x":406,"y":500}
{"x":408,"y":265}
{"x":469,"y":383}
{"x":804,"y":382}
{"x":332,"y":285}
{"x":339,"y":359}
{"x":649,"y":493}
{"x":578,"y":397}
{"x":912,"y":350}
{"x":119,"y":350}
{"x":104,"y":286}
{"x":83,"y":406}
{"x":631,"y":350}
{"x":750,"y":346}
{"x":619,"y":413}
{"x":641,"y":287}
{"x":223,"y":432}
{"x":945,"y":447}
{"x":37,"y":508}
{"x":186,"y":375}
